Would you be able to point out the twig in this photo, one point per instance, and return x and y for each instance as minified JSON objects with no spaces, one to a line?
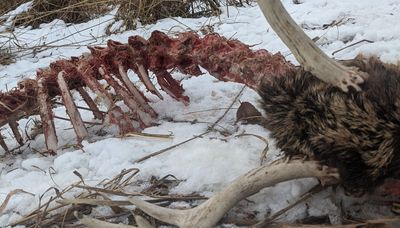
{"x":80,"y":107}
{"x":228,"y":109}
{"x":210,"y":128}
{"x":351,"y":45}
{"x":309,"y":194}
{"x":266,"y":148}
{"x":9,"y":195}
{"x":171,"y":147}
{"x":208,"y":110}
{"x":85,"y":122}
{"x":148,"y":135}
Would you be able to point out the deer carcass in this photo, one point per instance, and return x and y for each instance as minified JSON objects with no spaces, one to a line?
{"x":344,"y":114}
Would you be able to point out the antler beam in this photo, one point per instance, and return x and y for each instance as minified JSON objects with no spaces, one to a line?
{"x":210,"y":212}
{"x":305,"y":50}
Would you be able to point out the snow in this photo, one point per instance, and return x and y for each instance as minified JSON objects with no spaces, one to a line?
{"x":206,"y":164}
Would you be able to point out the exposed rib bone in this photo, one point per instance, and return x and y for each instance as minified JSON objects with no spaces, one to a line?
{"x":96,"y":87}
{"x":128,"y":99}
{"x":305,"y":50}
{"x":135,"y":92}
{"x":211,"y":211}
{"x":96,"y":112}
{"x":147,"y":82}
{"x":3,"y":143}
{"x":14,"y":129}
{"x":171,"y":86}
{"x":72,"y":111}
{"x":121,"y":119}
{"x":47,"y":117}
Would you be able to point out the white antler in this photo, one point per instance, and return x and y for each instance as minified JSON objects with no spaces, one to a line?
{"x":210,"y":212}
{"x":306,"y":52}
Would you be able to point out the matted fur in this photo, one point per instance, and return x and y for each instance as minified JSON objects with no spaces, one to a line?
{"x":357,"y":132}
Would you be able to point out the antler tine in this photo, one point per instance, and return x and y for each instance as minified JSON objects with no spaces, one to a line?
{"x":210,"y":212}
{"x":306,"y":52}
{"x":47,"y":117}
{"x":72,"y":111}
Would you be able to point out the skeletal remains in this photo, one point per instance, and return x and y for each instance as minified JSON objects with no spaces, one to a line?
{"x":343,"y":114}
{"x":157,"y":54}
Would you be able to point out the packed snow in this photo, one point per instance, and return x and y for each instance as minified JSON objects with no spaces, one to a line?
{"x":206,"y":164}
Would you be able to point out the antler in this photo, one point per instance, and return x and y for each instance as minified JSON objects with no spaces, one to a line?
{"x":305,"y":50}
{"x":211,"y":211}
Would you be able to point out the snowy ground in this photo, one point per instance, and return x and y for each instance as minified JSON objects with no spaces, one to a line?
{"x":205,"y":164}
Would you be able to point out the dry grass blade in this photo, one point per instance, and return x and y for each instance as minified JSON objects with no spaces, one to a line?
{"x":210,"y":128}
{"x":61,"y":214}
{"x":113,"y":192}
{"x":147,"y":135}
{"x":117,"y":183}
{"x":304,"y":197}
{"x":170,"y":148}
{"x":266,"y":148}
{"x":157,"y":198}
{"x":9,"y":195}
{"x":95,"y":202}
{"x":229,"y":108}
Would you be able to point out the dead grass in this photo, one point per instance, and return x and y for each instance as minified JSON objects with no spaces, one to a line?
{"x":58,"y":210}
{"x":130,"y":11}
{"x":70,"y":11}
{"x":6,"y":5}
{"x":6,"y":57}
{"x":149,"y":11}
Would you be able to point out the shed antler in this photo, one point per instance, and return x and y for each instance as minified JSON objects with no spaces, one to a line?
{"x":209,"y":213}
{"x":306,"y":52}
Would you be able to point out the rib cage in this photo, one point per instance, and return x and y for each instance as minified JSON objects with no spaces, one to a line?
{"x":227,"y":60}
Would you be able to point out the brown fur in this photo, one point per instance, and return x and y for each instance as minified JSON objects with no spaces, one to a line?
{"x":357,"y":132}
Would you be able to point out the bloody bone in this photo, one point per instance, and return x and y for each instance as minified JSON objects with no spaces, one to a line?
{"x":227,"y":60}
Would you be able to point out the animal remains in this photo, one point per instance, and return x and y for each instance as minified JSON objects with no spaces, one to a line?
{"x":339,"y":114}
